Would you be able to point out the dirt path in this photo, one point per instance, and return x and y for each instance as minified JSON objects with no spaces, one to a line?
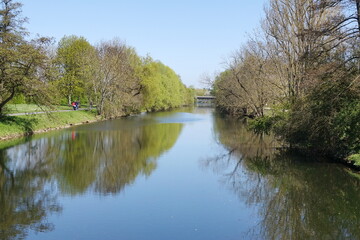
{"x":32,"y":113}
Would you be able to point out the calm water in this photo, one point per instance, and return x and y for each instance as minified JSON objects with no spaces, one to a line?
{"x":187,"y":174}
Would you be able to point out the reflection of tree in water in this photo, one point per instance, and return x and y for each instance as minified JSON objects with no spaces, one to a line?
{"x":296,"y":199}
{"x":101,"y":161}
{"x":24,"y":204}
{"x":109,"y":160}
{"x":132,"y":153}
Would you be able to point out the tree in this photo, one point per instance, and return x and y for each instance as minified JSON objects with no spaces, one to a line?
{"x":315,"y":45}
{"x":74,"y":59}
{"x":23,"y":64}
{"x":305,"y":36}
{"x":116,"y":85}
{"x":162,"y":87}
{"x":313,"y":39}
{"x":308,"y":61}
{"x":248,"y":84}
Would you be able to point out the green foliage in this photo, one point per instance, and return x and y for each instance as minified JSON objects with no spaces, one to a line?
{"x":346,"y":127}
{"x":200,"y":92}
{"x":18,"y":99}
{"x":23,"y":63}
{"x":326,"y":121}
{"x":261,"y":124}
{"x":74,"y":57}
{"x":354,"y":158}
{"x":162,"y":88}
{"x":111,"y":76}
{"x":307,"y":65}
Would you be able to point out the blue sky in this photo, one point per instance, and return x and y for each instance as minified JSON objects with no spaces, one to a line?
{"x":192,"y":37}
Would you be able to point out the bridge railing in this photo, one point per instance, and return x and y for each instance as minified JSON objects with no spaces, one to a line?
{"x":205,"y":97}
{"x":205,"y":101}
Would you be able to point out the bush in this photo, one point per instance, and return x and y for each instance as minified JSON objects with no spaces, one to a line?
{"x":347,"y":128}
{"x":326,"y":121}
{"x":261,"y":124}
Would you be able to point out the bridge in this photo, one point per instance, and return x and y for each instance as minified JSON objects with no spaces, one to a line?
{"x":205,"y":97}
{"x":205,"y":101}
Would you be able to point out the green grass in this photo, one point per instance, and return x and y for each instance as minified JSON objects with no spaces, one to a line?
{"x":26,"y":108}
{"x":353,"y":174}
{"x":355,"y":158}
{"x":27,"y":124}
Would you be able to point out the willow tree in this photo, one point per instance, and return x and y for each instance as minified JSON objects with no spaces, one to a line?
{"x":162,"y":87}
{"x":23,"y":63}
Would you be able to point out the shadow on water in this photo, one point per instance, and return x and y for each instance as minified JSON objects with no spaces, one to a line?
{"x":295,"y":199}
{"x":74,"y":162}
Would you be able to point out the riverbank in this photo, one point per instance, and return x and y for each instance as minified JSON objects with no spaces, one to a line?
{"x":19,"y":126}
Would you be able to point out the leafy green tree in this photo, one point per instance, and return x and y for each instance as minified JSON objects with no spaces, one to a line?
{"x":74,"y":58}
{"x":162,"y":87}
{"x":23,"y":64}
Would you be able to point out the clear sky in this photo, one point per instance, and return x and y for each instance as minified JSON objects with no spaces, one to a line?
{"x":192,"y":37}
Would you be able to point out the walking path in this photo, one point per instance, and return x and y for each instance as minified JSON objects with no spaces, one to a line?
{"x":32,"y":113}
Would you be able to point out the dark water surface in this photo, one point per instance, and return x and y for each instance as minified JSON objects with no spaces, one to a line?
{"x":187,"y":174}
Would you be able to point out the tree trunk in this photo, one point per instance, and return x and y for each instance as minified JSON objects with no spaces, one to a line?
{"x":3,"y":103}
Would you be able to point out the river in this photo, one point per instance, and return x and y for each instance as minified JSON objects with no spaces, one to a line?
{"x":184,"y":174}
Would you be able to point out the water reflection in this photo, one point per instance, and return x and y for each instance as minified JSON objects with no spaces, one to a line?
{"x":294,"y":199}
{"x":73,"y":162}
{"x":26,"y":198}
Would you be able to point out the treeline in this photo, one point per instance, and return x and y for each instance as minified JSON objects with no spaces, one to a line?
{"x":110,"y":76}
{"x":303,"y":65}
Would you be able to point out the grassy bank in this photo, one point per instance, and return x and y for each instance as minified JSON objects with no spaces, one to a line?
{"x":28,"y":108}
{"x":15,"y":126}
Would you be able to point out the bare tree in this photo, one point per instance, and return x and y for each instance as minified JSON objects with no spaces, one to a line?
{"x":305,"y":33}
{"x":250,"y":82}
{"x":116,"y":83}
